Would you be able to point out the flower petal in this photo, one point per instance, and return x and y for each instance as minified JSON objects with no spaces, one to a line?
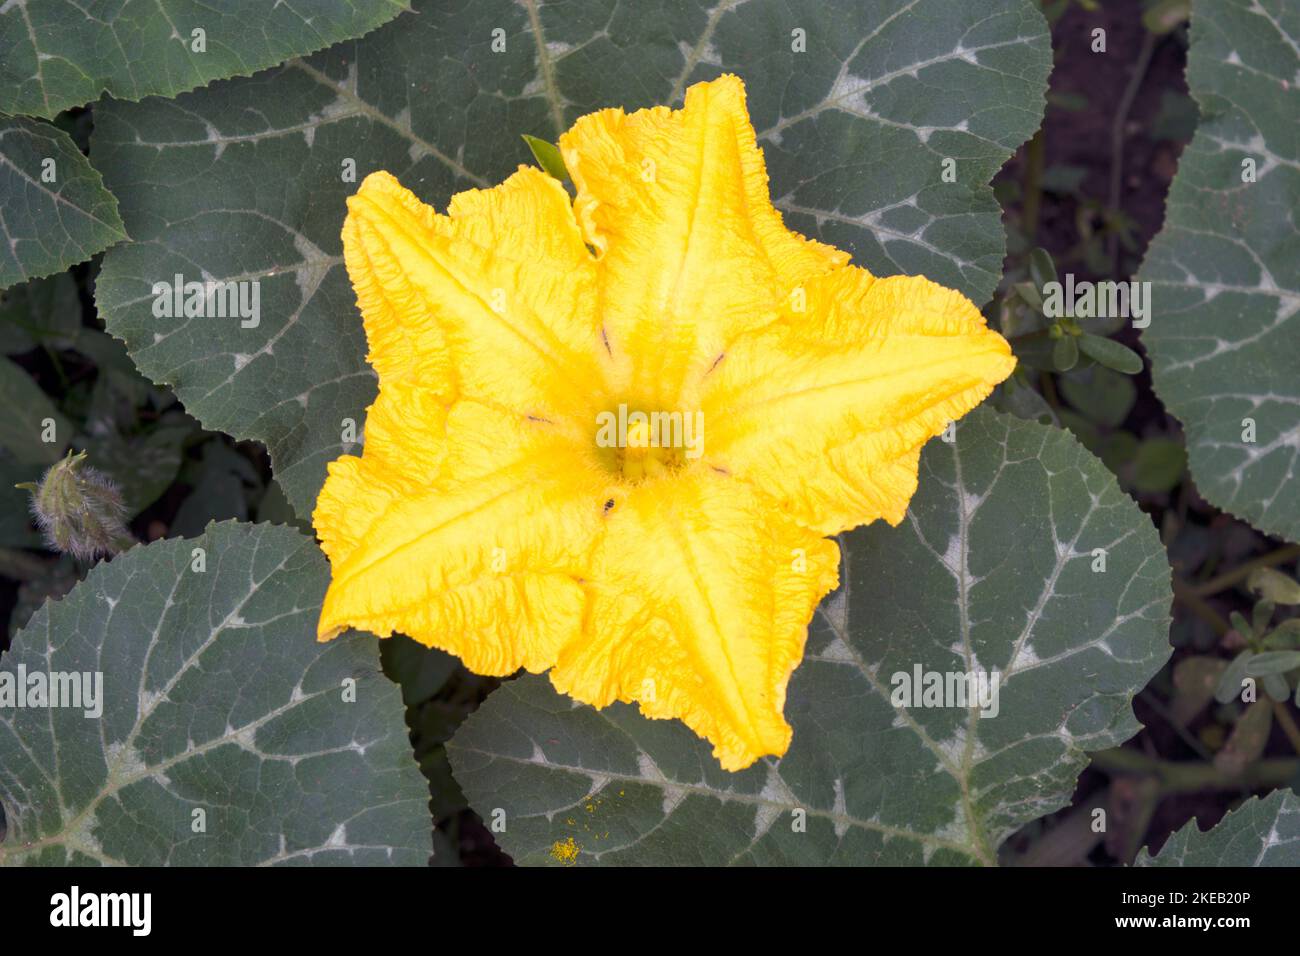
{"x":486,"y":562}
{"x":406,"y":437}
{"x":826,"y":412}
{"x":494,"y":301}
{"x":692,"y":250}
{"x":701,"y":597}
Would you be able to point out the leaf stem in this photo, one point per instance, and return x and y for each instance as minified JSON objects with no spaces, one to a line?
{"x":1156,"y":704}
{"x":1192,"y":776}
{"x":1149,"y":42}
{"x":1228,"y":578}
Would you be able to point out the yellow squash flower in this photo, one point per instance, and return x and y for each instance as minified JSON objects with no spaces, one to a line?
{"x":613,"y":433}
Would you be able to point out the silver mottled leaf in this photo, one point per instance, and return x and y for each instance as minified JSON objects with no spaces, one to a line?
{"x":54,"y":209}
{"x":56,"y":54}
{"x":1261,"y":832}
{"x":1224,"y":338}
{"x":216,"y":698}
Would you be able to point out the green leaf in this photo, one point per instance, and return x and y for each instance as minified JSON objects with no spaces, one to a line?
{"x":855,"y":131}
{"x":993,"y":569}
{"x":1041,"y":267}
{"x":1233,"y":675}
{"x":221,"y":480}
{"x":16,"y":530}
{"x":1224,"y":339}
{"x":56,"y":55}
{"x":1271,"y":584}
{"x":274,"y":509}
{"x":215,"y":697}
{"x":1118,"y":450}
{"x":1029,"y":294}
{"x":1240,"y":625}
{"x":421,"y":671}
{"x":1247,"y":741}
{"x":29,"y":416}
{"x":56,"y":578}
{"x":1105,"y":397}
{"x":1159,"y":465}
{"x":40,"y":312}
{"x":1273,"y":662}
{"x":1261,"y":614}
{"x":1065,"y":353}
{"x":1023,"y":400}
{"x":1261,"y":832}
{"x":1195,"y":678}
{"x":1285,"y":636}
{"x":1110,"y":353}
{"x":548,"y":157}
{"x":54,"y":209}
{"x":116,"y":377}
{"x":1276,"y":687}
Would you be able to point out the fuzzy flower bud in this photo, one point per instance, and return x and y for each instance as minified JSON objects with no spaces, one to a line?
{"x":79,"y":510}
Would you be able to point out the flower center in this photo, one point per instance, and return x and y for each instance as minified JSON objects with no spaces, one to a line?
{"x":640,"y":459}
{"x":636,"y":444}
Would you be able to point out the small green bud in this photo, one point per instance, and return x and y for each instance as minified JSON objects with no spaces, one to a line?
{"x":548,"y":157}
{"x":79,"y":510}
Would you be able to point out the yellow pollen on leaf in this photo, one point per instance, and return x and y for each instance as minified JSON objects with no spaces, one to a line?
{"x":489,"y":518}
{"x":565,"y":851}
